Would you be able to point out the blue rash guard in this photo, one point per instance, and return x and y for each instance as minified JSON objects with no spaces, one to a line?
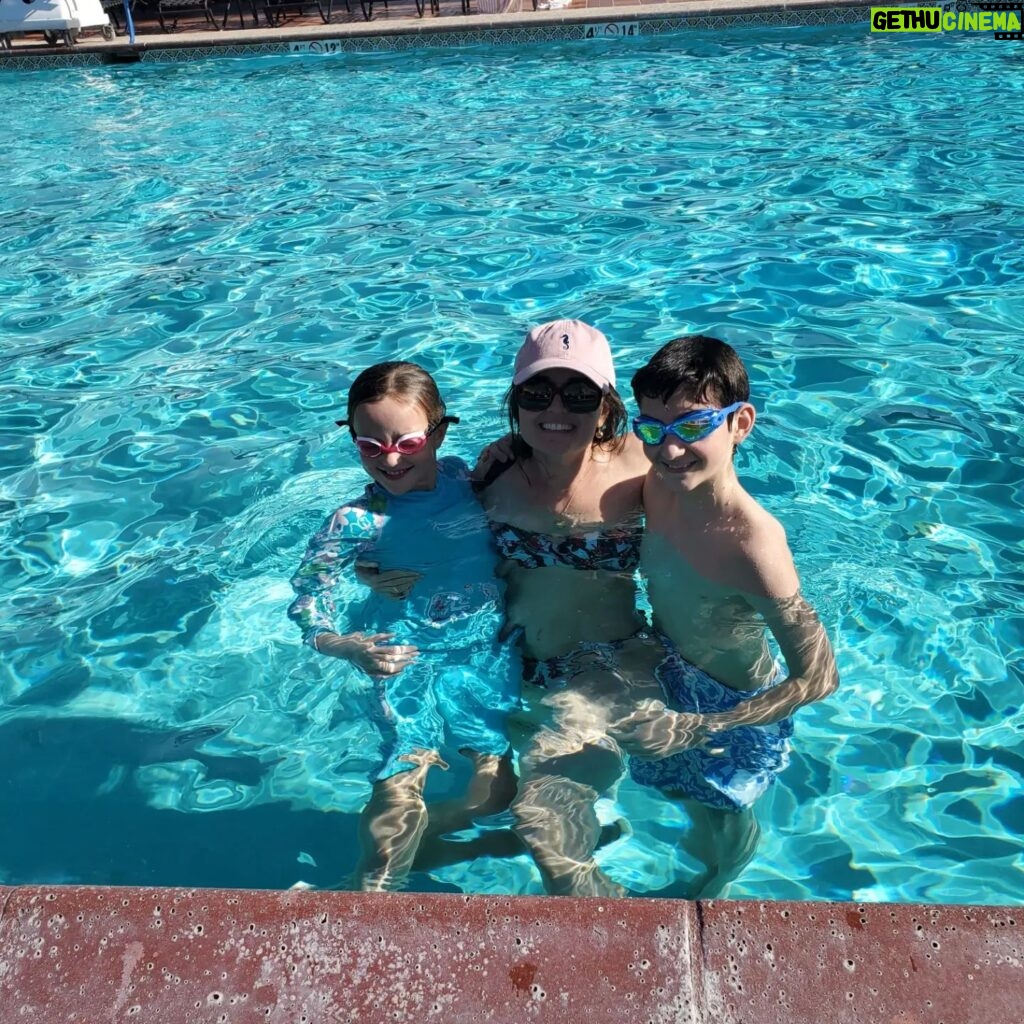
{"x":459,"y":691}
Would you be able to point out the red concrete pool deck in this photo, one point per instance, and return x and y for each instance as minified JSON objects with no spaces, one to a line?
{"x":70,"y":954}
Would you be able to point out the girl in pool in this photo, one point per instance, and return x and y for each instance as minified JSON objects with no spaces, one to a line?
{"x":446,"y":684}
{"x":566,"y":515}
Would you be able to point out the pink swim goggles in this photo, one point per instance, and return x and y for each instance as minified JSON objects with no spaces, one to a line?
{"x":407,"y":444}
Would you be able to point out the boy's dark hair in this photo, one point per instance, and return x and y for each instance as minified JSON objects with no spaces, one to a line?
{"x":406,"y":381}
{"x":610,"y":433}
{"x":704,"y":369}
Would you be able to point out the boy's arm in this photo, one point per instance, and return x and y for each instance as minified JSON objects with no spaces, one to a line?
{"x":771,"y":586}
{"x":809,"y":658}
{"x":766,"y":578}
{"x":654,"y":731}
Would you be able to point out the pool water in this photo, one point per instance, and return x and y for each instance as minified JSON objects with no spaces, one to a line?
{"x":196,"y":259}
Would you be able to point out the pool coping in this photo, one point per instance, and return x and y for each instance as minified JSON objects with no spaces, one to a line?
{"x":70,"y":953}
{"x":450,"y":30}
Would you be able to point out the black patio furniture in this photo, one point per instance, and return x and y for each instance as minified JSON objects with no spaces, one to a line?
{"x":241,"y":16}
{"x":114,"y":10}
{"x":367,"y":6}
{"x":275,"y":11}
{"x":171,"y":10}
{"x":421,"y":7}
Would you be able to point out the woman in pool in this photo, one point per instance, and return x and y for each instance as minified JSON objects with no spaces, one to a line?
{"x":567,"y":517}
{"x":446,"y":683}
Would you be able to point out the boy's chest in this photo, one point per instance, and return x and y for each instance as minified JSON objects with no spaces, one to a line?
{"x":695,"y":601}
{"x":683,"y":569}
{"x":706,"y":559}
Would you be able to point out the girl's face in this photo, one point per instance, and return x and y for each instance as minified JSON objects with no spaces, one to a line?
{"x":387,"y":420}
{"x":556,"y":430}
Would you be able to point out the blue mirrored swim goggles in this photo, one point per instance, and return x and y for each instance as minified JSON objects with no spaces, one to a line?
{"x":694,"y":426}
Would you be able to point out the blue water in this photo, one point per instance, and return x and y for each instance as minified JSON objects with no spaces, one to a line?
{"x":196,"y":259}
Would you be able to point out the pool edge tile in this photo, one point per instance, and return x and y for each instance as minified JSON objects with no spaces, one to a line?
{"x":91,"y":953}
{"x":458,"y":30}
{"x":849,"y":963}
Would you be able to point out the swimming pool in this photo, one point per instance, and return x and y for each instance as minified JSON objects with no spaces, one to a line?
{"x":196,"y":260}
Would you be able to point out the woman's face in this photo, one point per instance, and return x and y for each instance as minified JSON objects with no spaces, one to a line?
{"x":558,"y":430}
{"x":387,"y":420}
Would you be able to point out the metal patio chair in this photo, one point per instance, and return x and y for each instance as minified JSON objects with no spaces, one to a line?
{"x":367,"y":6}
{"x":171,"y":10}
{"x":276,"y":11}
{"x":421,"y":7}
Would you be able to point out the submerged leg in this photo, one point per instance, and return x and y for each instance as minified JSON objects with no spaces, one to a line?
{"x":502,"y":842}
{"x":568,"y":760}
{"x":555,"y":818}
{"x":392,"y":825}
{"x":723,"y":841}
{"x":491,"y":789}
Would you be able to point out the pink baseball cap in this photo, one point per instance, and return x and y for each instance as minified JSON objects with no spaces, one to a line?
{"x":566,"y":345}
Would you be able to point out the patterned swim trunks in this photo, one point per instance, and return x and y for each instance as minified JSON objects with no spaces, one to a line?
{"x":749,"y":757}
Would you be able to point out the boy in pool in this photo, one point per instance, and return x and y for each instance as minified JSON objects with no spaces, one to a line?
{"x":430,"y":631}
{"x":719,"y":574}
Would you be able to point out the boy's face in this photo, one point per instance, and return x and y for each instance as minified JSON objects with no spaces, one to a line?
{"x":689,"y":464}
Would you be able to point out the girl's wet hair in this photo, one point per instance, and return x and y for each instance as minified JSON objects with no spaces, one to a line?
{"x":704,"y":369}
{"x":406,"y":381}
{"x":610,"y":433}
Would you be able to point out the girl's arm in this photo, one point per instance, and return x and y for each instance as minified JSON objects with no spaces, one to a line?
{"x":332,"y":553}
{"x":329,"y":555}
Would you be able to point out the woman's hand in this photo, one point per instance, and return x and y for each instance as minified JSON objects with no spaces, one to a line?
{"x":497,"y":451}
{"x":653,"y":731}
{"x":396,"y":583}
{"x":368,"y":651}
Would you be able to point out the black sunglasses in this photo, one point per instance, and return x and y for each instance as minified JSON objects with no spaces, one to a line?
{"x":577,"y":395}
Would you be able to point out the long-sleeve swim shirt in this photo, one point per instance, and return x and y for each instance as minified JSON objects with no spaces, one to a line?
{"x":441,"y":534}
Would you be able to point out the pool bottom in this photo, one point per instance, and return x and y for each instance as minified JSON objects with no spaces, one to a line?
{"x":233,"y":956}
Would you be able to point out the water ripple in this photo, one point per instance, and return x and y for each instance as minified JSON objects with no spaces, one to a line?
{"x":189,"y":289}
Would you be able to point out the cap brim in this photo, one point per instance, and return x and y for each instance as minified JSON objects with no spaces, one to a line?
{"x":563,"y":364}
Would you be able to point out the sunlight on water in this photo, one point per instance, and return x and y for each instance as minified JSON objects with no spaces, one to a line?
{"x":188,"y":289}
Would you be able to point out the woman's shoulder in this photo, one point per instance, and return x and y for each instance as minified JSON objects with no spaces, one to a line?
{"x":628,"y":460}
{"x":617,"y":489}
{"x":506,"y":493}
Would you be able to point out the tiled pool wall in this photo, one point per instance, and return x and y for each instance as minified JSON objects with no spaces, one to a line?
{"x":71,"y":954}
{"x":507,"y":30}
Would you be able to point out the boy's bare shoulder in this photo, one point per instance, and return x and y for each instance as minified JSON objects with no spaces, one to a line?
{"x":764,"y":561}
